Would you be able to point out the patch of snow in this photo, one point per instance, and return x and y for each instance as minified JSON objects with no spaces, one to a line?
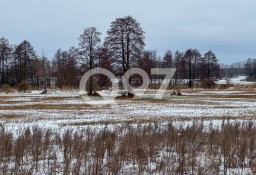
{"x":239,"y":80}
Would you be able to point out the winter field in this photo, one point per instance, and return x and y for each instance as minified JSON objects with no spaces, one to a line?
{"x":62,"y":109}
{"x":174,"y":135}
{"x":59,"y":109}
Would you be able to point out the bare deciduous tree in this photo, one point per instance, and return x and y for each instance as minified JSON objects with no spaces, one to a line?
{"x":177,"y":60}
{"x":168,"y":59}
{"x":89,"y":43}
{"x":192,"y":56}
{"x":125,"y":40}
{"x":212,"y":65}
{"x":23,"y":54}
{"x":44,"y":74}
{"x":5,"y":55}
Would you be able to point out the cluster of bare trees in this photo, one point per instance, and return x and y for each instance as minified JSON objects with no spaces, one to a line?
{"x":192,"y":65}
{"x":141,"y":149}
{"x":19,"y":63}
{"x":122,"y":49}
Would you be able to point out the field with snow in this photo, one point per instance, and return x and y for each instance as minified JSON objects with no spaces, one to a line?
{"x":60,"y":132}
{"x":60,"y":109}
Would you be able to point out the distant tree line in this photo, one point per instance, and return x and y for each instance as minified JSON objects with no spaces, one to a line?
{"x":246,"y":68}
{"x":122,"y":49}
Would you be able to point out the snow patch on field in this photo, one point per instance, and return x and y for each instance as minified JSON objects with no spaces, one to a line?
{"x":64,"y":107}
{"x":239,"y":80}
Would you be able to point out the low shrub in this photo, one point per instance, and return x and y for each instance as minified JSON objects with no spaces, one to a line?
{"x":208,"y":83}
{"x":6,"y":88}
{"x":24,"y":86}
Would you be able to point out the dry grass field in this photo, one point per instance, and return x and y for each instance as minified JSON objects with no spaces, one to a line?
{"x":60,"y":108}
{"x":200,"y":132}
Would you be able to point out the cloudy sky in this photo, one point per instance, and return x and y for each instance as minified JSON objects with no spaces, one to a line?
{"x":227,"y":27}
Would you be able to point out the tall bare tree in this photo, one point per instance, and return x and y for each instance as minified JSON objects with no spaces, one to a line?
{"x":212,"y":66}
{"x":177,"y":60}
{"x":89,"y":42}
{"x":125,"y":40}
{"x":5,"y":56}
{"x":168,"y":59}
{"x":147,"y":62}
{"x":44,"y":74}
{"x":192,"y":56}
{"x":23,"y":55}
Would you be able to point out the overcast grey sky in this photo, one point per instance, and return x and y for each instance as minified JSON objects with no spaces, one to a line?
{"x":227,"y":27}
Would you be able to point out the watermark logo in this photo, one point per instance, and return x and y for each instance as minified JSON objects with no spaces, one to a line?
{"x":108,"y":98}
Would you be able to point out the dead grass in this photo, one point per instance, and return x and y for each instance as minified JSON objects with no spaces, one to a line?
{"x":232,"y":96}
{"x":9,"y":116}
{"x":49,"y":106}
{"x":185,"y":149}
{"x":54,"y":104}
{"x":161,"y":119}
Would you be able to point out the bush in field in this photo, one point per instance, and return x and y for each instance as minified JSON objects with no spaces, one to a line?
{"x":6,"y":88}
{"x":208,"y":83}
{"x":24,"y":86}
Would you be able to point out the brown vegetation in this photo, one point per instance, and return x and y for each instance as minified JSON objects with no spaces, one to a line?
{"x":23,"y":86}
{"x":137,"y":149}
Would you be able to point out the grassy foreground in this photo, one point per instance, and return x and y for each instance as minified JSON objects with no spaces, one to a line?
{"x":136,"y":149}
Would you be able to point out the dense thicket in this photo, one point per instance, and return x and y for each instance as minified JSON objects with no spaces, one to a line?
{"x":133,"y":149}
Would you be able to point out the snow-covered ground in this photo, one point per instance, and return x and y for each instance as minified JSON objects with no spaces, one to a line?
{"x":61,"y":108}
{"x":239,"y":80}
